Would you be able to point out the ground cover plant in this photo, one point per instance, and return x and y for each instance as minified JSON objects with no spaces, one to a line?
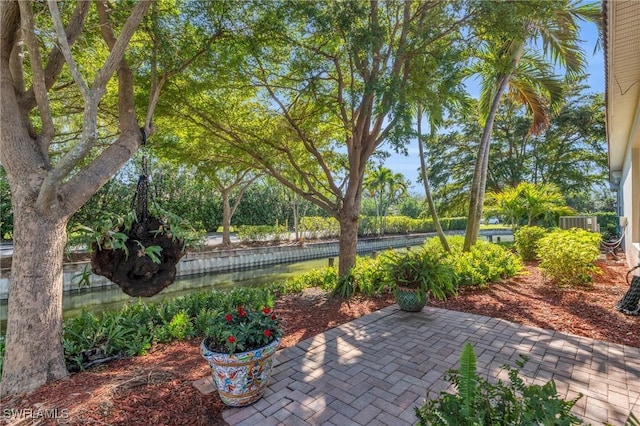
{"x":157,"y":388}
{"x":91,"y":339}
{"x":481,"y":402}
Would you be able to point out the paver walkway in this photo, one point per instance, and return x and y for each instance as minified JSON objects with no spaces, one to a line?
{"x":376,"y":369}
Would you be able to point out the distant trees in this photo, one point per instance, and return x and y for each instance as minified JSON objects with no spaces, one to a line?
{"x":570,"y":154}
{"x":385,"y":189}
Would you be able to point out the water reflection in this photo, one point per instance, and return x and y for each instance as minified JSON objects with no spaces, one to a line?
{"x":106,"y":298}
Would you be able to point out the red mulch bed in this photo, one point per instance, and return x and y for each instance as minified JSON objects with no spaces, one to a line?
{"x":157,"y":388}
{"x":587,"y":311}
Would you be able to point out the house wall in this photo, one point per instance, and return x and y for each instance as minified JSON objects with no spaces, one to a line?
{"x":632,"y":194}
{"x":629,"y":196}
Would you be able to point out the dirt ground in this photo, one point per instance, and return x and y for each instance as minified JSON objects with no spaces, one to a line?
{"x":156,"y":389}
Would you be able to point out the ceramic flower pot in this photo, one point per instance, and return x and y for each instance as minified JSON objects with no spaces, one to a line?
{"x":241,"y":378}
{"x":410,"y":299}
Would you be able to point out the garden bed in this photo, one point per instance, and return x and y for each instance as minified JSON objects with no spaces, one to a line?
{"x":157,"y":388}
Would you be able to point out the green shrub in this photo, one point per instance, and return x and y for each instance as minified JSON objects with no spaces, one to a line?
{"x":445,"y":223}
{"x":567,"y":256}
{"x":458,"y":224}
{"x":324,"y":278}
{"x":485,"y":263}
{"x":609,"y":223}
{"x":314,"y":227}
{"x":368,"y":226}
{"x":180,"y":326}
{"x":368,"y":276}
{"x":399,"y":224}
{"x":262,"y":233}
{"x":479,"y":402}
{"x":526,"y":241}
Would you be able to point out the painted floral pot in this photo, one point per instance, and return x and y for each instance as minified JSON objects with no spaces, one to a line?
{"x":409,"y":299}
{"x":241,"y":378}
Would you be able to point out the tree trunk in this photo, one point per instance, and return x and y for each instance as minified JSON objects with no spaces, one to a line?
{"x":35,"y":300}
{"x":348,"y":242}
{"x":479,"y":182}
{"x":427,"y":186}
{"x":295,"y":217}
{"x":226,"y":218}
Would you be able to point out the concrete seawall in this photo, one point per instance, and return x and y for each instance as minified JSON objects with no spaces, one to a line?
{"x":228,"y":260}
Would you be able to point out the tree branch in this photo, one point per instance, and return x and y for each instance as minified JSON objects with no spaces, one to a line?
{"x":56,"y":59}
{"x":39,"y":87}
{"x":126,"y":101}
{"x":15,"y":66}
{"x":120,"y":45}
{"x":65,"y":49}
{"x":92,"y":97}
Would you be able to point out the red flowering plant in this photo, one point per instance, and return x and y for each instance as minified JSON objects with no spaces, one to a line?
{"x":242,"y":329}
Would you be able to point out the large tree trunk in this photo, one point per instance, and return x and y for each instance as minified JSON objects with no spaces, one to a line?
{"x":348,"y":219}
{"x":348,"y":243}
{"x":35,"y":299}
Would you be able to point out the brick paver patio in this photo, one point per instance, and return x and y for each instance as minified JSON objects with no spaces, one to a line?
{"x":376,"y":369}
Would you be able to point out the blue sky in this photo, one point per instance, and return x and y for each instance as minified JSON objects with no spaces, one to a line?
{"x":408,"y":165}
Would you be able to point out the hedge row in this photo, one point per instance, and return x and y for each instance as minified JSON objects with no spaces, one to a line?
{"x":316,"y":227}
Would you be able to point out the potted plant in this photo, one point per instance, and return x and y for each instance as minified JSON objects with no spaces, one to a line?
{"x":239,"y":346}
{"x":416,"y":274}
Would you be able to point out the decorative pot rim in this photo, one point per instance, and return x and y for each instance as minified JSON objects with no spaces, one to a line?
{"x":410,"y":289}
{"x":239,"y":358}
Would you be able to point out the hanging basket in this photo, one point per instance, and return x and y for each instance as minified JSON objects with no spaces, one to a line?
{"x":134,"y":271}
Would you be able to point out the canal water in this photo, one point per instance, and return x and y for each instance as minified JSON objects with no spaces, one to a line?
{"x":109,"y":298}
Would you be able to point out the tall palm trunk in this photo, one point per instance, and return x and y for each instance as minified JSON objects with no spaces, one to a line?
{"x":427,"y":186}
{"x":479,"y":182}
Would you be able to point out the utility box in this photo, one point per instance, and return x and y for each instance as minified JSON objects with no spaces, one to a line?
{"x":590,"y":223}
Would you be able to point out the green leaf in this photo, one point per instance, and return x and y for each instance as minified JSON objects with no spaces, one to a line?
{"x":468,"y":383}
{"x":154,"y":253}
{"x":632,"y":420}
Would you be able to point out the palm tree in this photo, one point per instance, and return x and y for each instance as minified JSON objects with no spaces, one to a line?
{"x":385,"y":187}
{"x":529,"y":202}
{"x":514,"y":65}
